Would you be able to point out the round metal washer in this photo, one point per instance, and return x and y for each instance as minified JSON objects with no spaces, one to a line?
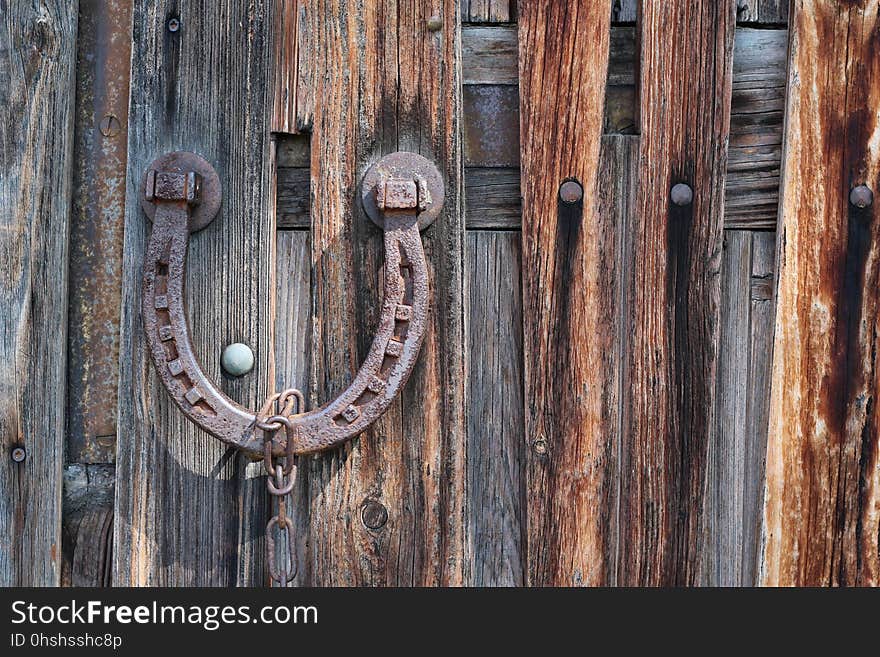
{"x":403,"y":166}
{"x":211,"y":192}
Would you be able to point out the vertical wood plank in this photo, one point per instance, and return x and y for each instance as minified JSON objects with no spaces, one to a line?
{"x":823,"y":462}
{"x":36,"y":139}
{"x":389,"y":507}
{"x":292,"y":103}
{"x":496,"y":445}
{"x":181,"y":497}
{"x":686,"y":78}
{"x":567,"y":316}
{"x":763,"y":310}
{"x":726,"y":451}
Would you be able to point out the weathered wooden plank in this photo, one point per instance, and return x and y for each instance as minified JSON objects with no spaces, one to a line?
{"x":726,"y":458}
{"x":737,"y":449}
{"x":765,"y":12}
{"x":488,"y":11}
{"x":822,"y":526}
{"x":757,"y":109}
{"x":567,"y":302}
{"x":491,"y":118}
{"x":102,"y":68}
{"x":492,"y":198}
{"x":670,"y":382}
{"x":763,"y":307}
{"x":293,"y":312}
{"x":292,"y":101}
{"x":496,"y":444}
{"x":36,"y":156}
{"x":183,"y":501}
{"x":87,"y":533}
{"x":389,"y":507}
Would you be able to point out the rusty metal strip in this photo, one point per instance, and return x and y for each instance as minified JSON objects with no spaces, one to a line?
{"x":103,"y":61}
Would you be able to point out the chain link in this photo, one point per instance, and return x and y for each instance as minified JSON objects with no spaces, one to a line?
{"x":280,"y":480}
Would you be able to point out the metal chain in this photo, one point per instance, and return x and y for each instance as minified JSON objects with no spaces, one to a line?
{"x":279,"y":481}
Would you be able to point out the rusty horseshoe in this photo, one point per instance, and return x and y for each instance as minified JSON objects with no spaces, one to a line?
{"x":402,"y":193}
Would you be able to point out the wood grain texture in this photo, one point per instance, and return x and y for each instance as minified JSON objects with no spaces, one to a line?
{"x":496,"y":444}
{"x":686,"y":79}
{"x":292,"y":48}
{"x":765,"y":12}
{"x":87,"y":532}
{"x":491,"y":120}
{"x":738,"y":446}
{"x":293,"y":336}
{"x":183,"y":502}
{"x":822,"y":509}
{"x":36,"y":139}
{"x":384,"y":83}
{"x":567,"y":302}
{"x":488,"y":11}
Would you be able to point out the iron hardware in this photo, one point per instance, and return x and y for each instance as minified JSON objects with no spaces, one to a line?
{"x":181,"y":194}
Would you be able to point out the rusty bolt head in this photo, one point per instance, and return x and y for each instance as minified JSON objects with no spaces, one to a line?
{"x":19,"y":454}
{"x":681,"y":194}
{"x":374,"y":515}
{"x":397,"y":195}
{"x":571,"y":191}
{"x":861,"y":196}
{"x":173,"y":24}
{"x":435,"y":23}
{"x":110,"y":126}
{"x":540,"y":446}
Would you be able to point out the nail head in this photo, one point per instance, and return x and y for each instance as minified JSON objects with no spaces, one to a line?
{"x":861,"y":196}
{"x":173,"y":24}
{"x":435,"y":23}
{"x":19,"y":454}
{"x":237,"y":359}
{"x":571,"y":191}
{"x":374,"y":515}
{"x":681,"y":194}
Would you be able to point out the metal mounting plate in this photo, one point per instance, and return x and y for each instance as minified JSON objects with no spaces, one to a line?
{"x":211,"y":193}
{"x":403,"y":166}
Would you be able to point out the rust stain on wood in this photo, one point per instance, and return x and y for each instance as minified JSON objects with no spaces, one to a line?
{"x":822,"y":496}
{"x":686,"y":80}
{"x":567,"y":319}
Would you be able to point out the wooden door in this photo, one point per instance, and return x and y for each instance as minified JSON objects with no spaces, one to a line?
{"x":626,"y":181}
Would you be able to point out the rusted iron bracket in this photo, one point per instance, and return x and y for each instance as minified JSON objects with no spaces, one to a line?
{"x":181,"y":194}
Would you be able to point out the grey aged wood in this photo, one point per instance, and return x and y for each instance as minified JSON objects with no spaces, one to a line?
{"x":182,"y":500}
{"x":488,"y":11}
{"x":88,"y":524}
{"x":36,"y":138}
{"x":293,"y":322}
{"x":736,"y":453}
{"x":765,"y":12}
{"x":389,"y":507}
{"x":496,"y":442}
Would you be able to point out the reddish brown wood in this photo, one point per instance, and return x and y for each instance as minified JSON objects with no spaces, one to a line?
{"x":568,"y":314}
{"x":686,"y":78}
{"x":822,"y":501}
{"x":292,"y":98}
{"x":389,"y":507}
